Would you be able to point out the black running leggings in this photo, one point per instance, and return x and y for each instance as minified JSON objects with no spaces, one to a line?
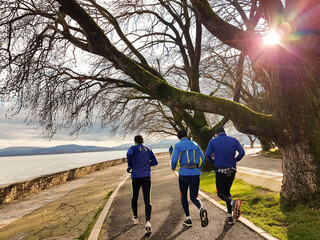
{"x":191,"y":182}
{"x":223,"y":184}
{"x":145,"y":183}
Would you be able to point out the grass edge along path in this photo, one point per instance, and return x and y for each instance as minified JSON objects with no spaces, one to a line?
{"x":85,"y":235}
{"x":262,"y":207}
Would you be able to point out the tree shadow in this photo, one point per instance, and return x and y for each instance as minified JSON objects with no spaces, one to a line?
{"x":184,"y":228}
{"x":168,"y":226}
{"x":226,"y":228}
{"x":125,"y":229}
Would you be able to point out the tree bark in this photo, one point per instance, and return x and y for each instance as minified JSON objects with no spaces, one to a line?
{"x":203,"y":140}
{"x":301,"y":178}
{"x":293,"y":70}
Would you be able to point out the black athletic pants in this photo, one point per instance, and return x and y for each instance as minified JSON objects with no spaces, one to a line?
{"x":223,"y":184}
{"x":145,"y":183}
{"x":191,"y":182}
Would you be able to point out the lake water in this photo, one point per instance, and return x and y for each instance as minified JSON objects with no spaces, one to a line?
{"x":20,"y":168}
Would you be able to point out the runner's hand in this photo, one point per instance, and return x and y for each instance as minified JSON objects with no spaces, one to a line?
{"x":129,"y":169}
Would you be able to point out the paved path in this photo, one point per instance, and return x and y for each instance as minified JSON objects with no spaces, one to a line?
{"x":167,"y":214}
{"x":65,"y":211}
{"x":260,"y":171}
{"x":61,"y":212}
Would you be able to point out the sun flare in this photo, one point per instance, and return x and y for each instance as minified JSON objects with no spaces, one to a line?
{"x":271,"y":38}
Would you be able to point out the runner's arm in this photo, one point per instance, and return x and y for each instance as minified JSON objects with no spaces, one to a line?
{"x":175,"y":158}
{"x":241,"y":152}
{"x":153,"y":160}
{"x":202,"y":158}
{"x":209,"y":152}
{"x":130,"y":157}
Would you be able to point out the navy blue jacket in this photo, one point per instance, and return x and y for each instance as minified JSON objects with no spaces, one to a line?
{"x":224,"y":149}
{"x":140,"y":159}
{"x":187,"y":152}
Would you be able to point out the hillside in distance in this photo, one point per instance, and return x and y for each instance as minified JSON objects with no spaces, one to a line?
{"x":71,"y":148}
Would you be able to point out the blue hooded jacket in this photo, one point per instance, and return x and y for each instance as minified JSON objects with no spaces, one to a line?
{"x":187,"y":152}
{"x":140,"y":159}
{"x":224,"y":149}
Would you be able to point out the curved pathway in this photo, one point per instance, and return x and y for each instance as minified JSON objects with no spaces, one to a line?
{"x":167,"y":214}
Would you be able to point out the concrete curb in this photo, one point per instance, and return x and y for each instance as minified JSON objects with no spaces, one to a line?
{"x":94,"y":235}
{"x":245,"y":221}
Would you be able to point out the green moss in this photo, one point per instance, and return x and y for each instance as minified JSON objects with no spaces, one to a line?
{"x":87,"y":232}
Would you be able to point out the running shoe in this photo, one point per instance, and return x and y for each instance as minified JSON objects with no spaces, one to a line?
{"x":229,"y":219}
{"x":188,"y":222}
{"x":148,"y":227}
{"x":135,"y":220}
{"x":236,"y":204}
{"x":204,"y":217}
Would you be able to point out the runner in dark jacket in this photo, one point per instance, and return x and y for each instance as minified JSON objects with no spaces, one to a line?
{"x":140,"y":159}
{"x":224,"y":149}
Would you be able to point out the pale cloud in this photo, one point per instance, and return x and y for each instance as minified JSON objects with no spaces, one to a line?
{"x":14,"y":132}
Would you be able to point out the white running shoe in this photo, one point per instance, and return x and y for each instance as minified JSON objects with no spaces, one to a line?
{"x":135,"y":220}
{"x":148,"y":227}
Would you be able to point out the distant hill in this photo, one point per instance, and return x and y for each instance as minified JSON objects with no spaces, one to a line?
{"x":72,"y":148}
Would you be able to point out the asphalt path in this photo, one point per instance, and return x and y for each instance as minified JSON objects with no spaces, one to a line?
{"x":167,"y":214}
{"x":260,"y":171}
{"x":84,"y":195}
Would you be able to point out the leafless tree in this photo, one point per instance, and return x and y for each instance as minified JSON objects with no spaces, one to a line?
{"x":44,"y":44}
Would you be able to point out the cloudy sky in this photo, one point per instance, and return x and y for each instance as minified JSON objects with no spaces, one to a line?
{"x":14,"y":132}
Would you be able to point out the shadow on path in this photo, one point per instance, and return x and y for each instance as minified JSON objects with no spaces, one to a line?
{"x":124,"y":230}
{"x":226,"y":228}
{"x":184,"y":228}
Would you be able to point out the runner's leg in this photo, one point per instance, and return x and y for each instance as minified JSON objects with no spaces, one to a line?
{"x":146,"y":189}
{"x":135,"y":194}
{"x":183,"y":185}
{"x":194,"y":189}
{"x":223,"y":189}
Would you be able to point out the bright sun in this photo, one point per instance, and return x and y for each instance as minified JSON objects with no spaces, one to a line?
{"x":272,"y":38}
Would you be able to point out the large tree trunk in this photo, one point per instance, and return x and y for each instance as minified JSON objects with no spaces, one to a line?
{"x":203,"y":140}
{"x":301,"y":171}
{"x":266,"y":145}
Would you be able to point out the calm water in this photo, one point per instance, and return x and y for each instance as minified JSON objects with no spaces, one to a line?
{"x":20,"y":168}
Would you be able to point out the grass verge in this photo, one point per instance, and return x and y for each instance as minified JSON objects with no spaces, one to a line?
{"x":87,"y":232}
{"x":262,"y":207}
{"x":273,"y":153}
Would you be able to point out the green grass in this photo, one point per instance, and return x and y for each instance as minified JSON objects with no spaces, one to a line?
{"x":273,"y":153}
{"x":262,"y":207}
{"x":87,"y":232}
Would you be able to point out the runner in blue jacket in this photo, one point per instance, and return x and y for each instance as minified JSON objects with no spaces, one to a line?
{"x":140,"y":159}
{"x":224,"y":149}
{"x":191,"y":159}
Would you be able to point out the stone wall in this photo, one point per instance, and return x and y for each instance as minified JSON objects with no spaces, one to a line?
{"x":21,"y":189}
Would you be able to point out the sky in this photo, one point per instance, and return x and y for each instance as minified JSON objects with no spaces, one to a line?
{"x":14,"y":132}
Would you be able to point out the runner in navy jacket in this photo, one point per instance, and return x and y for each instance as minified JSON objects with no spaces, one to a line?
{"x":224,"y":149}
{"x":140,"y":159}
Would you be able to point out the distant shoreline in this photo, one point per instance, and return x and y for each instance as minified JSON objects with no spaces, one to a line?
{"x":52,"y":153}
{"x":2,"y":155}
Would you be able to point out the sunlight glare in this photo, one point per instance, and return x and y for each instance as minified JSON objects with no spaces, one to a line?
{"x":272,"y":38}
